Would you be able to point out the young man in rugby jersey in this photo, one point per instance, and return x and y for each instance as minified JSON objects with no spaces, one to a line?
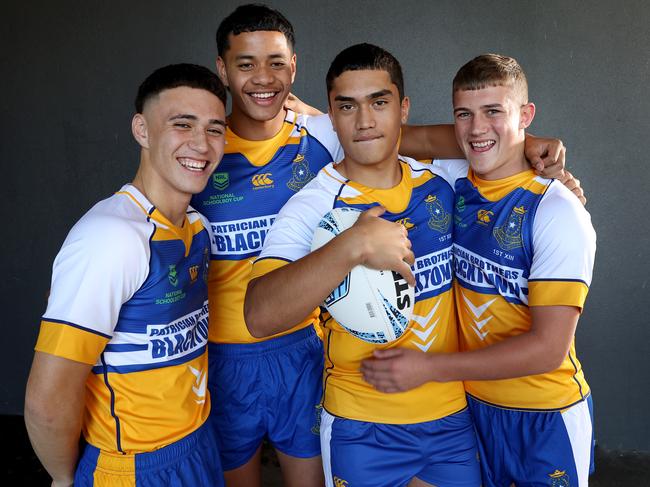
{"x":122,"y":351}
{"x":271,"y":153}
{"x":524,"y":252}
{"x":369,"y":438}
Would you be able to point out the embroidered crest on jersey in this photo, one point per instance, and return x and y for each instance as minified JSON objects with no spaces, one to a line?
{"x":460,"y":208}
{"x":315,"y":429}
{"x":220,"y":180}
{"x":508,"y":235}
{"x":406,"y":222}
{"x":194,"y":273}
{"x":262,"y":181}
{"x":300,"y":173}
{"x":440,"y":218}
{"x":483,"y":217}
{"x":173,"y":275}
{"x":338,"y":482}
{"x":559,"y":478}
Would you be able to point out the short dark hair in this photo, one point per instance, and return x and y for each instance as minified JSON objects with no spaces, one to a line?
{"x":253,"y":17}
{"x":176,"y":75}
{"x":366,"y":56}
{"x":492,"y":70}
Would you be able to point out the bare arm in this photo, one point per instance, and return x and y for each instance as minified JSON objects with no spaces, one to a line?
{"x":545,"y":155}
{"x":430,"y":142}
{"x":54,"y":405}
{"x":295,"y":104}
{"x":540,"y":350}
{"x":283,"y":298}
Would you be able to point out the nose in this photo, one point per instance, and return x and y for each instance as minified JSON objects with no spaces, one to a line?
{"x":199,"y":141}
{"x":263,"y":75}
{"x":365,"y":117}
{"x":479,"y":125}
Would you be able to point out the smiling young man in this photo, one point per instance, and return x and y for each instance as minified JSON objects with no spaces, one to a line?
{"x":122,"y":350}
{"x":524,"y":253}
{"x":369,"y":438}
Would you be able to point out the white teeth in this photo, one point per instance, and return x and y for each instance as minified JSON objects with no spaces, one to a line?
{"x":262,"y":95}
{"x":482,"y":145}
{"x":192,"y":164}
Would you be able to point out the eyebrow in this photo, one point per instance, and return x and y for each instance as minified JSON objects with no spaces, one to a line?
{"x":187,"y":116}
{"x":247,"y":57}
{"x":371,"y":96}
{"x":491,"y":105}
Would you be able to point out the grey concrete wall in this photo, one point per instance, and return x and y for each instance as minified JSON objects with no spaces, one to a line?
{"x":70,"y":71}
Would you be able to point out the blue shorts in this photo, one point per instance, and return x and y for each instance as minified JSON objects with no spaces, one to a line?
{"x":441,"y":452}
{"x":534,"y":448}
{"x":267,"y":389}
{"x":188,"y":462}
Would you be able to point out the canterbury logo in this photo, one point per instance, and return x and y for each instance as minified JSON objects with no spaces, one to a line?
{"x":340,"y":482}
{"x":262,"y":179}
{"x":194,"y":272}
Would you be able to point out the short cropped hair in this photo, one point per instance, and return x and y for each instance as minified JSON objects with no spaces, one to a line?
{"x":175,"y":76}
{"x":366,"y":56}
{"x":492,"y":70}
{"x":253,"y":17}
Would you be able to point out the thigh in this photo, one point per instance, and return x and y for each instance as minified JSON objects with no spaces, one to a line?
{"x":301,"y":472}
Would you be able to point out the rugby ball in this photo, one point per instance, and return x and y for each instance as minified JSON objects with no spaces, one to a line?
{"x":373,"y":305}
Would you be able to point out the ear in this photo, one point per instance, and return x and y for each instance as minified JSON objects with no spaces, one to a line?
{"x":405,"y":106}
{"x":293,"y":67}
{"x":526,"y":115}
{"x":221,"y":71}
{"x":139,"y":130}
{"x":329,"y":112}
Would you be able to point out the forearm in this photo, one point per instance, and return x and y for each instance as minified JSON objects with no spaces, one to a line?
{"x":514,"y":357}
{"x":430,"y":142}
{"x":55,"y":439}
{"x":283,"y":298}
{"x":54,"y":405}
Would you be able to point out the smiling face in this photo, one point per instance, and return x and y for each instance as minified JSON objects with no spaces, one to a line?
{"x":367,"y":114}
{"x":490,"y":124}
{"x":181,"y":131}
{"x":259,"y":69}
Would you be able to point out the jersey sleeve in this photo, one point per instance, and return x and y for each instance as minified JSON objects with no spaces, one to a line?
{"x":101,"y":264}
{"x":450,"y":169}
{"x":291,"y":234}
{"x":564,"y":247}
{"x":320,"y":126}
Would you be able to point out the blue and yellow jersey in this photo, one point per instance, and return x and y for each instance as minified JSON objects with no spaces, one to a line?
{"x":241,"y":201}
{"x":520,"y":241}
{"x":129,"y":296}
{"x":423,"y":203}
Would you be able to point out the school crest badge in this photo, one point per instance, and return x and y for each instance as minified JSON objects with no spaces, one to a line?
{"x":440,"y":218}
{"x":508,"y":235}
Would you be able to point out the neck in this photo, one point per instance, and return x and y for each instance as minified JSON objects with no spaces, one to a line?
{"x":384,"y":175}
{"x":250,"y":129}
{"x":171,"y":205}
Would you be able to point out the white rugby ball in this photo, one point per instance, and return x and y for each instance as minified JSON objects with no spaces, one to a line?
{"x":373,"y":305}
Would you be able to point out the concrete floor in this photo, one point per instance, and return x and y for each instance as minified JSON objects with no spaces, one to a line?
{"x":22,"y":468}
